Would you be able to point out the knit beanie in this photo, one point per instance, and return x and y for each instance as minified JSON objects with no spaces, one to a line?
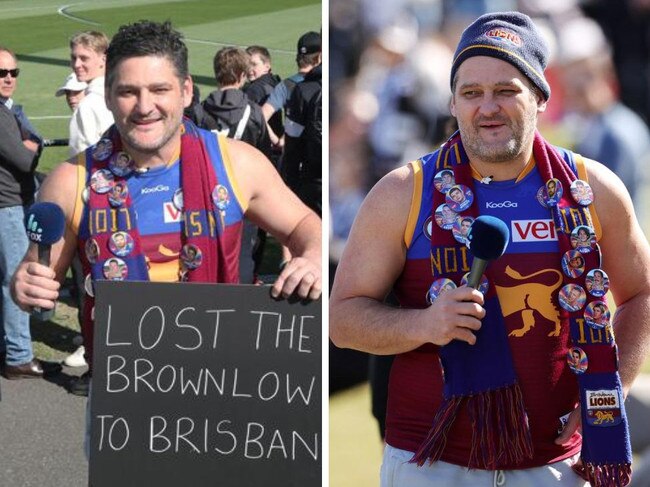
{"x":511,"y":37}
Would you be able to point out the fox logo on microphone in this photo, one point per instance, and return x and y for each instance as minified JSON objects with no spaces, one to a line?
{"x":34,"y":231}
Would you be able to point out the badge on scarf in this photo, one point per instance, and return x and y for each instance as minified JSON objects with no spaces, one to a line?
{"x":573,"y":264}
{"x":177,"y":199}
{"x":483,"y":284}
{"x":582,"y":193}
{"x":444,"y":180}
{"x":553,"y":192}
{"x":459,"y":198}
{"x":120,"y":244}
{"x":103,"y":149}
{"x":445,"y":217}
{"x":597,"y":315}
{"x":117,"y":195}
{"x":461,"y":228}
{"x":603,"y":407}
{"x":439,"y":286}
{"x":597,"y":282}
{"x":221,"y":197}
{"x":583,"y":238}
{"x":577,"y":360}
{"x":102,"y":181}
{"x":572,"y":297}
{"x":191,"y":256}
{"x":115,"y":269}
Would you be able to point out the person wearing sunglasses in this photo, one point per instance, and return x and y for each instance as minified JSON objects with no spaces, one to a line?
{"x":19,"y":152}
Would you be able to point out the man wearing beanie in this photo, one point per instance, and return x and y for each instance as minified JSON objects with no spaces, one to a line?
{"x":504,"y":384}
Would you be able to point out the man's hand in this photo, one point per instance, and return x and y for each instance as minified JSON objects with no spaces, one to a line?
{"x":573,"y":424}
{"x":30,"y":145}
{"x":300,"y":275}
{"x":34,"y":285}
{"x":454,"y":315}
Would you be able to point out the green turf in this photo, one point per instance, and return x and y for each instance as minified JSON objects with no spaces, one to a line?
{"x":39,"y":36}
{"x":206,"y":25}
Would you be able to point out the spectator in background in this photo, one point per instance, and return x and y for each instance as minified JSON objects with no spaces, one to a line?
{"x":91,"y":118}
{"x":74,"y":91}
{"x":19,"y":153}
{"x":262,"y":83}
{"x":229,"y":112}
{"x":601,"y":127}
{"x":308,"y":56}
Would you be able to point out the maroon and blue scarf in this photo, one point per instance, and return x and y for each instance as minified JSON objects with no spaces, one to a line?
{"x":198,"y":180}
{"x":482,"y":377}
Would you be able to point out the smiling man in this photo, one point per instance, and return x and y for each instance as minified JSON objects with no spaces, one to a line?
{"x":176,"y":170}
{"x":91,"y":117}
{"x":473,"y":401}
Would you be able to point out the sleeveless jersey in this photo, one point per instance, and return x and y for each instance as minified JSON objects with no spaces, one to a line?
{"x":529,"y":304}
{"x":159,"y":219}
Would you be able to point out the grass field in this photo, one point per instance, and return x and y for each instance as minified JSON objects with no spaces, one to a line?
{"x":39,"y":30}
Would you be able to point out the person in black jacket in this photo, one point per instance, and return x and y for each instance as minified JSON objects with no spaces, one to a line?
{"x":228,"y":110}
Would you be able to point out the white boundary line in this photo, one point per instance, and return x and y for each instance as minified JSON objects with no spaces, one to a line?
{"x":63,"y":11}
{"x":50,"y":117}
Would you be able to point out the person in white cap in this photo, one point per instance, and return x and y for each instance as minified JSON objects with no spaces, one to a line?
{"x":74,"y":91}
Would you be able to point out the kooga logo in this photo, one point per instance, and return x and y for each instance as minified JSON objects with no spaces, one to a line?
{"x":34,"y":232}
{"x":155,"y":189}
{"x":501,"y":204}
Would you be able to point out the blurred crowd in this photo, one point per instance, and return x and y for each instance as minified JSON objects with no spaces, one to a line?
{"x":390,"y":93}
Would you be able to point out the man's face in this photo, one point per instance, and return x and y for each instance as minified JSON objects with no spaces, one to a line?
{"x":574,"y":294}
{"x":496,"y":109}
{"x":457,"y":195}
{"x":8,"y":83}
{"x":74,"y":98}
{"x":119,"y":240}
{"x":464,"y":227}
{"x":86,"y":63}
{"x":147,"y":101}
{"x":257,"y":67}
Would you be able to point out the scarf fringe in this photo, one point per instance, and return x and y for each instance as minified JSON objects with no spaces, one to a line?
{"x":500,"y":432}
{"x":432,"y":448}
{"x":605,"y":475}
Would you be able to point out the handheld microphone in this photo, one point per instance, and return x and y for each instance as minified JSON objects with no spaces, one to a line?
{"x":45,"y":224}
{"x":488,"y":238}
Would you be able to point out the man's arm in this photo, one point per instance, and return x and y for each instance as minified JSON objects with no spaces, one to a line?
{"x":274,"y":207}
{"x":626,"y":260}
{"x":34,"y":284}
{"x":373,"y":259}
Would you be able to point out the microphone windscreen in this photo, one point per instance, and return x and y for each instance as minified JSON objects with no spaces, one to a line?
{"x":488,"y":237}
{"x":45,"y":223}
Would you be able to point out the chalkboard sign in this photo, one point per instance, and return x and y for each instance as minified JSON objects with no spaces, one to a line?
{"x":204,"y":385}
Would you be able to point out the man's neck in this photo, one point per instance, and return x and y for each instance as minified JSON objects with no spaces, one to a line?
{"x":504,"y":170}
{"x":144,"y":161}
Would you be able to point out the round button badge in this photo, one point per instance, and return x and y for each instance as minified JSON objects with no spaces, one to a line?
{"x":121,"y":164}
{"x":191,"y":256}
{"x":573,"y":264}
{"x":444,"y":180}
{"x":445,"y":216}
{"x":221,"y":197}
{"x":577,"y":360}
{"x":582,"y":193}
{"x":118,"y":194}
{"x":597,"y":315}
{"x":439,"y":286}
{"x":120,"y":244}
{"x":92,"y":250}
{"x":597,"y":282}
{"x":461,"y":227}
{"x":572,"y":297}
{"x":103,"y":150}
{"x":583,"y":239}
{"x":553,"y":192}
{"x":483,"y":284}
{"x":101,"y":181}
{"x":459,"y":198}
{"x":115,"y":269}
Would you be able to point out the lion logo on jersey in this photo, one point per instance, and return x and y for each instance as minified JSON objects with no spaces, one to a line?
{"x":530,"y":298}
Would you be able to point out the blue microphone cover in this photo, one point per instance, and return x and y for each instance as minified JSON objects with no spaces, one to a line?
{"x":45,"y":223}
{"x":488,"y":237}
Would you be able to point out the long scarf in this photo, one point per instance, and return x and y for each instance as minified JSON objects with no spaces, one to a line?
{"x":202,"y":258}
{"x":482,"y":377}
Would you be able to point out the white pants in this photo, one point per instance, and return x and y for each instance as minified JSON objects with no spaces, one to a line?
{"x":396,"y":471}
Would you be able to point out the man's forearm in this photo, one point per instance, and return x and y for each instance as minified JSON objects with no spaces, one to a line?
{"x":306,"y":238}
{"x":632,"y":331}
{"x":364,"y":324}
